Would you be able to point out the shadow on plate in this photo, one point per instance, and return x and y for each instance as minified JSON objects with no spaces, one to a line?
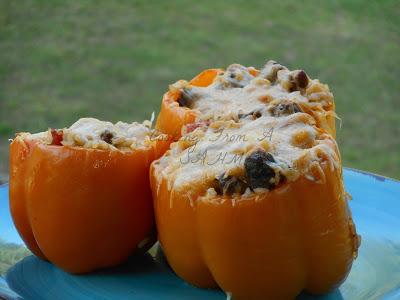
{"x":141,"y":277}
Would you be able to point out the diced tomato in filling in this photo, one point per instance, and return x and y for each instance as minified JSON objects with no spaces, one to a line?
{"x":57,"y":137}
{"x":191,"y":127}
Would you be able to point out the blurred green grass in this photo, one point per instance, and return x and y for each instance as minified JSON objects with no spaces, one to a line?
{"x":113,"y":60}
{"x":10,"y":254}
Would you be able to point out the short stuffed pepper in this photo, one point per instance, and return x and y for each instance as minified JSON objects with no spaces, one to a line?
{"x":80,"y":196}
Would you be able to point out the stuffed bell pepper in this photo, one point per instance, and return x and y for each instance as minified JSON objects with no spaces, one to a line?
{"x":251,"y":198}
{"x":80,"y":196}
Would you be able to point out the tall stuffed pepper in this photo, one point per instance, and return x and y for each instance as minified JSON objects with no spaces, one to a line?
{"x":251,"y":198}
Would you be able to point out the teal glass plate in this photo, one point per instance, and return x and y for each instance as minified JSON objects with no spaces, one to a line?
{"x":375,"y":274}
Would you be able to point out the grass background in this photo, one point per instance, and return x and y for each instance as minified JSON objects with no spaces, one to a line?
{"x":62,"y":60}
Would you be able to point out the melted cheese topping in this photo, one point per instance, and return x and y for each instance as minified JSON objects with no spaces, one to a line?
{"x":297,"y":146}
{"x":245,"y":93}
{"x":96,"y":134}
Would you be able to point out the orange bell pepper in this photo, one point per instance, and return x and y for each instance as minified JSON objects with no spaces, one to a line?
{"x":172,"y":117}
{"x":299,"y":236}
{"x":82,"y":209}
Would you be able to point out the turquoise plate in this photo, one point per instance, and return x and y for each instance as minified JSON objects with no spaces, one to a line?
{"x":375,"y":274}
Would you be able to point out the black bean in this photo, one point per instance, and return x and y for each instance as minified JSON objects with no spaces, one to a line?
{"x":255,"y":114}
{"x":285,"y":108}
{"x":234,"y":82}
{"x":299,"y":80}
{"x":302,"y":79}
{"x":228,"y":185}
{"x":107,"y":136}
{"x":258,"y":170}
{"x":296,"y":108}
{"x":236,"y":76}
{"x":270,"y":70}
{"x":186,"y":98}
